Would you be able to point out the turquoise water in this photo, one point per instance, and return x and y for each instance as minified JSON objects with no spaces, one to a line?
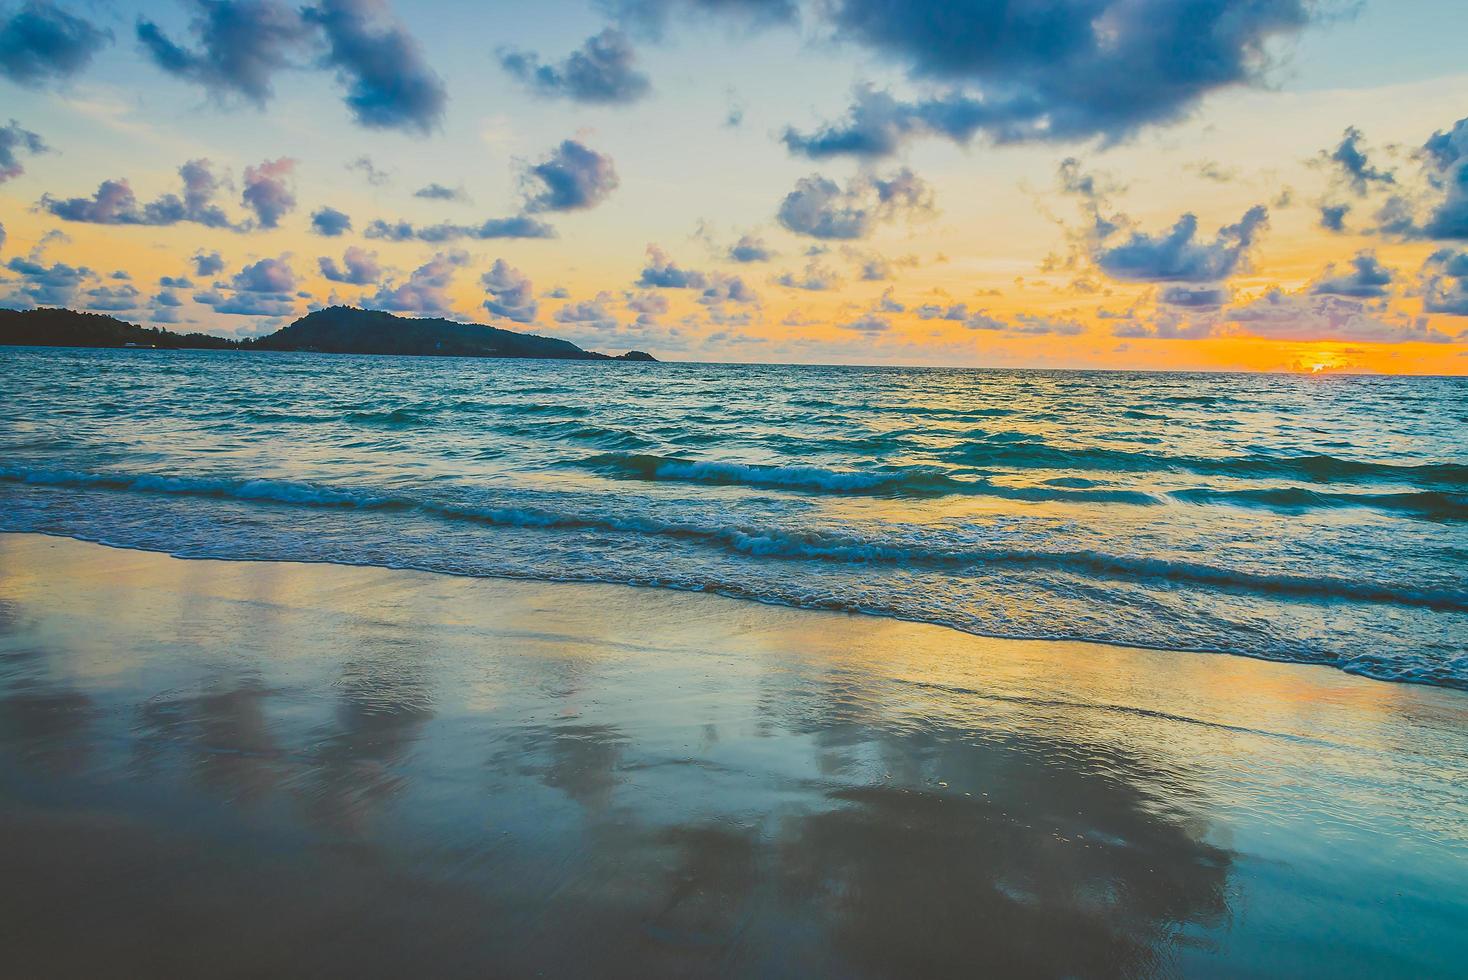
{"x":1315,"y":519}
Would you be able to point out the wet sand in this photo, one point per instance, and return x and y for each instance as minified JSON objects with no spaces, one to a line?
{"x":252,"y":769}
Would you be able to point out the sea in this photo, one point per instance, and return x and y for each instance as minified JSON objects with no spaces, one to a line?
{"x":1319,"y":519}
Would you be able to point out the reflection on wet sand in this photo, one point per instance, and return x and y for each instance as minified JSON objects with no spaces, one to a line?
{"x":335,"y":771}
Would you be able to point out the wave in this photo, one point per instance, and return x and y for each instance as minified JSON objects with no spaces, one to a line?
{"x":264,"y":489}
{"x":1433,"y":505}
{"x":926,"y":411}
{"x":921,"y":481}
{"x":394,"y":418}
{"x":913,"y":480}
{"x":267,"y":416}
{"x":894,"y":481}
{"x":1198,"y":399}
{"x":1020,"y":454}
{"x":538,"y":408}
{"x":576,"y":430}
{"x":781,"y":543}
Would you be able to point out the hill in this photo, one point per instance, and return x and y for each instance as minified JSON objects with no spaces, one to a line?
{"x":335,"y":330}
{"x":348,"y":330}
{"x":46,"y":327}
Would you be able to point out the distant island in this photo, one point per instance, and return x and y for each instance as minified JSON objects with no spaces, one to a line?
{"x":334,"y":330}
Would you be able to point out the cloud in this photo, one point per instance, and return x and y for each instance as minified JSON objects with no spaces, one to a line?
{"x":603,"y":71}
{"x":1028,"y":324}
{"x":571,"y":178}
{"x":509,"y":293}
{"x":359,"y":267}
{"x":815,"y":278}
{"x":661,"y":272}
{"x":164,"y":307}
{"x":1195,"y":297}
{"x":265,"y":276}
{"x":593,"y":312}
{"x":262,"y":288}
{"x":1367,"y":279}
{"x":1333,"y":216}
{"x":821,"y":208}
{"x":935,"y":311}
{"x":1023,"y":324}
{"x":42,"y":43}
{"x":114,"y":203}
{"x":164,"y":314}
{"x":1214,"y":171}
{"x":242,"y":44}
{"x":201,"y":186}
{"x":1094,"y":193}
{"x":207,"y":264}
{"x":728,"y":289}
{"x":1042,"y":71}
{"x":795,"y":318}
{"x":369,"y":170}
{"x":1438,"y":209}
{"x":1352,"y":164}
{"x":269,"y":190}
{"x":869,"y":324}
{"x":389,"y":84}
{"x":1445,"y":283}
{"x":392,"y":231}
{"x":648,"y":307}
{"x":426,"y":290}
{"x":520,"y":226}
{"x":438,"y":192}
{"x":650,"y":18}
{"x":1397,"y":218}
{"x":1168,"y":325}
{"x":1351,"y":171}
{"x":1448,"y":156}
{"x":46,"y":285}
{"x":750,"y":248}
{"x":111,"y":299}
{"x":875,"y":267}
{"x":330,"y":222}
{"x":1285,"y":316}
{"x":1178,"y":255}
{"x":13,"y":142}
{"x":175,"y":282}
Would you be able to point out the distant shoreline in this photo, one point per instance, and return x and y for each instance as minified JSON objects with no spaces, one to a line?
{"x":333,"y":330}
{"x":330,"y":353}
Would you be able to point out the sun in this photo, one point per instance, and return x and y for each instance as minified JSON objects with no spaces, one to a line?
{"x":1321,"y":362}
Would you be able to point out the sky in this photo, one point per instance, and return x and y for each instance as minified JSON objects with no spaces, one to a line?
{"x":1140,"y":184}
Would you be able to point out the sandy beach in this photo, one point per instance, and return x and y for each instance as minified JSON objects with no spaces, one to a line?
{"x":246,"y":768}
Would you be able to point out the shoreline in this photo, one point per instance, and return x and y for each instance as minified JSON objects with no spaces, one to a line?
{"x":250,"y":767}
{"x":768,"y":603}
